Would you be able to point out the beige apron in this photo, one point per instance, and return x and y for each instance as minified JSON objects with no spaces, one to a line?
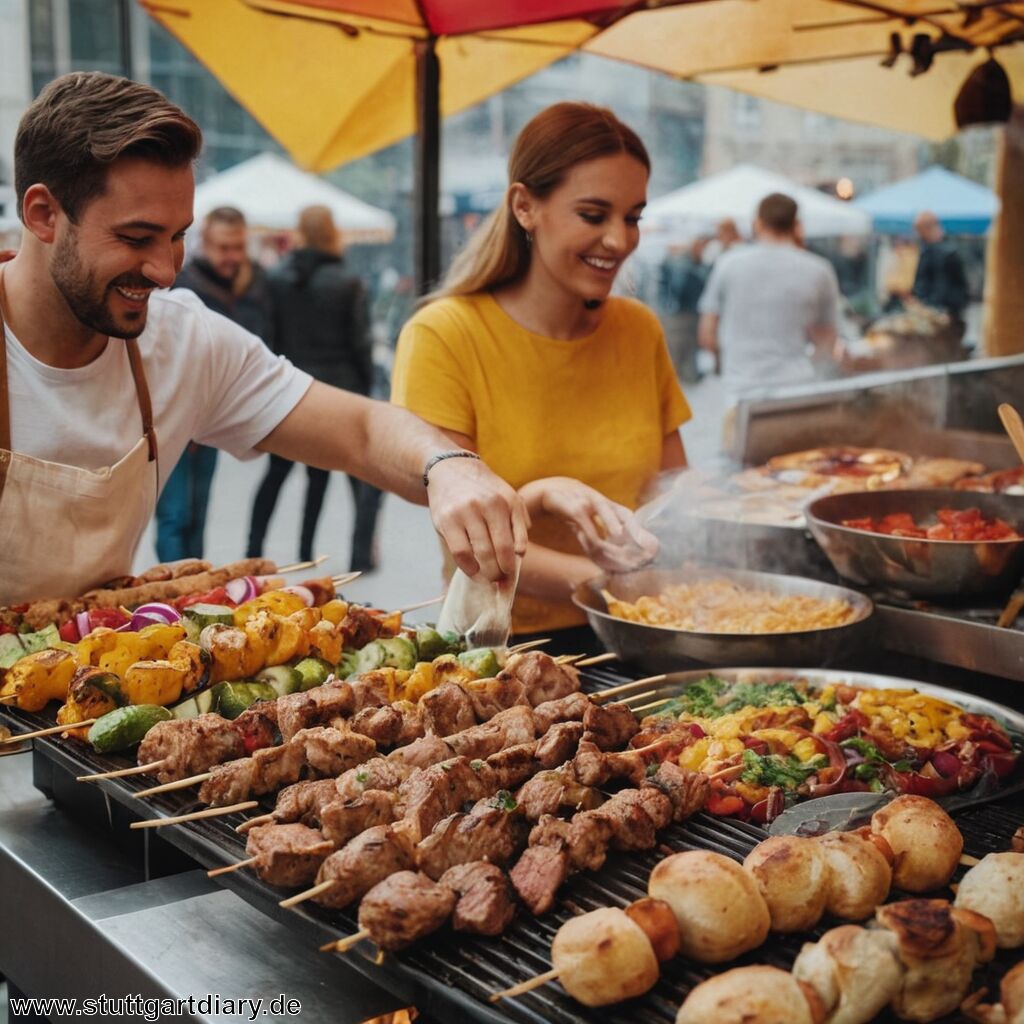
{"x":65,"y":530}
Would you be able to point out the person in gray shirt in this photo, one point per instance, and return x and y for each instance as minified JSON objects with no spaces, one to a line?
{"x":769,"y":310}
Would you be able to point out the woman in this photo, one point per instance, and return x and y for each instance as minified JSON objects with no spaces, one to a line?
{"x":524,"y":357}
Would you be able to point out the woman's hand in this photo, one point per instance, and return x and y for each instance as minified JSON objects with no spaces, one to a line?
{"x":608,"y":532}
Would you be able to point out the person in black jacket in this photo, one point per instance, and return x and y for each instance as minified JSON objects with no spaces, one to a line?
{"x":321,"y":324}
{"x":223,"y":276}
{"x":940,"y":281}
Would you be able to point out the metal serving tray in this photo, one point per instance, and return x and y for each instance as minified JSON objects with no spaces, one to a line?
{"x":449,"y":977}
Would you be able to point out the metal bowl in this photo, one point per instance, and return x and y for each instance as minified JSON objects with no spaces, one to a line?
{"x":919,"y":568}
{"x":662,"y":649}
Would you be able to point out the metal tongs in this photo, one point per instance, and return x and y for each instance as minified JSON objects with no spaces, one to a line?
{"x":1015,"y":428}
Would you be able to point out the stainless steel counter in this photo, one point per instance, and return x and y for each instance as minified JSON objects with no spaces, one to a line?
{"x":82,"y":920}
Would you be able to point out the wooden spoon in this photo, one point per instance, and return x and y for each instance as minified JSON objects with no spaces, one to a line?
{"x":1015,"y":428}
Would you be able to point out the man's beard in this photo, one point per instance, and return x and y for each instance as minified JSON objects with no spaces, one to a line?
{"x":86,"y":299}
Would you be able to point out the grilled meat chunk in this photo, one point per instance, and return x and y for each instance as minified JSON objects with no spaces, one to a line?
{"x":490,"y":697}
{"x":305,"y":801}
{"x":484,"y":899}
{"x":549,"y":791}
{"x":505,"y":729}
{"x":558,"y":744}
{"x":383,"y":725}
{"x":342,"y":820}
{"x":288,"y":855}
{"x":609,"y":725}
{"x":229,"y":783}
{"x":422,"y":753}
{"x":359,"y":627}
{"x":356,"y":868}
{"x":190,"y":746}
{"x":687,"y":790}
{"x":542,"y":676}
{"x":487,"y":833}
{"x":368,"y":691}
{"x":403,"y":908}
{"x":447,"y":709}
{"x":570,"y":708}
{"x":329,"y":752}
{"x":594,"y":767}
{"x":376,"y":773}
{"x":435,"y":792}
{"x":512,"y":766}
{"x":313,"y":707}
{"x":538,"y":874}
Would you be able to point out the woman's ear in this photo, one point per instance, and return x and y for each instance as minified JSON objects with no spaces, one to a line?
{"x":39,"y":209}
{"x":522,"y":205}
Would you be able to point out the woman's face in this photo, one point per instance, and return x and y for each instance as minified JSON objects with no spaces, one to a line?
{"x":584,"y":230}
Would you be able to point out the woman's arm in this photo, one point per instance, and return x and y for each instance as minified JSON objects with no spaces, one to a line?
{"x":673,"y":454}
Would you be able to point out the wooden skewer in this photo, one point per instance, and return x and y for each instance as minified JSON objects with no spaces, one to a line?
{"x":260,"y":819}
{"x":637,"y":708}
{"x":227,"y":869}
{"x":732,"y":772}
{"x":308,"y":894}
{"x":122,"y":773}
{"x":420,"y":604}
{"x":567,"y":659}
{"x":16,"y":750}
{"x":968,"y":861}
{"x":209,"y":812}
{"x":517,"y":648}
{"x":525,"y":986}
{"x":296,"y":566}
{"x":49,"y":732}
{"x":630,"y":688}
{"x":9,"y":698}
{"x":344,"y":945}
{"x":344,"y":579}
{"x":597,"y":659}
{"x":170,"y":787}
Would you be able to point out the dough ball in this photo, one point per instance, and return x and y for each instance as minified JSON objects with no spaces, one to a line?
{"x":792,"y":874}
{"x":926,"y":844}
{"x":859,"y":875}
{"x":718,"y":906}
{"x":603,"y":957}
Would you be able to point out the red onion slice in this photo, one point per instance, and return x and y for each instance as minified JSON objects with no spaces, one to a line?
{"x":304,"y":592}
{"x":82,"y":622}
{"x":243,"y":589}
{"x":154,"y":613}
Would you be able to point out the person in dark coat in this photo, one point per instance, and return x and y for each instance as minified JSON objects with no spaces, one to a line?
{"x":321,"y":323}
{"x":223,"y":276}
{"x":940,"y":281}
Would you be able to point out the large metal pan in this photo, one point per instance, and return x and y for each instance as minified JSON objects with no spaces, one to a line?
{"x":661,"y":649}
{"x":919,"y":568}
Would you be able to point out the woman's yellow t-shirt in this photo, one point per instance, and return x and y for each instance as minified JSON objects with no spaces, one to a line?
{"x":596,"y":408}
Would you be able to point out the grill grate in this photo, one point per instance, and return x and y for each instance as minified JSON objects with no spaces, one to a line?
{"x":450,"y":976}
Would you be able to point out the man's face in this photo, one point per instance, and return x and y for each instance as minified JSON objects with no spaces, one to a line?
{"x":127,"y":242}
{"x":224,"y":246}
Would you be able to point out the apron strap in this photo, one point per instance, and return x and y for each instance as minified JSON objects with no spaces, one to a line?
{"x":142,"y":394}
{"x":5,"y":405}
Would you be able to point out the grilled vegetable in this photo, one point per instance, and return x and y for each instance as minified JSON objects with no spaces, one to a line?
{"x":481,"y":660}
{"x":11,"y":650}
{"x":203,"y":615}
{"x":200,"y":704}
{"x":283,"y":678}
{"x":39,"y":678}
{"x":347,"y":664}
{"x":429,"y":643}
{"x":233,"y":698}
{"x":162,"y":682}
{"x":124,"y":727}
{"x":312,"y":672}
{"x":399,"y":652}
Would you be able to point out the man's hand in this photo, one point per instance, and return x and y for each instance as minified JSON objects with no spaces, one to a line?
{"x":481,"y":518}
{"x":608,"y":532}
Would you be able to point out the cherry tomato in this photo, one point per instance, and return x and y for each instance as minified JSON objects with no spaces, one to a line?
{"x":69,"y":632}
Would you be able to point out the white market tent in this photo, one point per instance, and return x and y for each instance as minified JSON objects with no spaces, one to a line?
{"x":271,"y":191}
{"x":695,"y":209}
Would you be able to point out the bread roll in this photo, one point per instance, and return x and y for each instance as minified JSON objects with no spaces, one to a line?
{"x":995,"y":887}
{"x":718,"y":906}
{"x":926,"y":844}
{"x":859,"y":876}
{"x":747,"y":995}
{"x":792,"y":874}
{"x":854,"y":971}
{"x":603,"y":957}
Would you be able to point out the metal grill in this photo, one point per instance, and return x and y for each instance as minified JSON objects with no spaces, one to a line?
{"x":449,"y":976}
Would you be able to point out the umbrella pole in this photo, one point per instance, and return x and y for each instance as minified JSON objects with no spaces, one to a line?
{"x":427,"y":177}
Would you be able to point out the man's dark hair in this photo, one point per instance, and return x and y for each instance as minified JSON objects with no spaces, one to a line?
{"x":82,"y":122}
{"x":777,"y":212}
{"x":225,"y":215}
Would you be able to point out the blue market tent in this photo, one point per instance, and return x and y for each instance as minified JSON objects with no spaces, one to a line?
{"x":963,"y":206}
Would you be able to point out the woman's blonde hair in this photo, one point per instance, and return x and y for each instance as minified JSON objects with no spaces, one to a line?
{"x":549,"y":146}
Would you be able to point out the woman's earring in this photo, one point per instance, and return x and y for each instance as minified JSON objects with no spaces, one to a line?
{"x":529,"y":238}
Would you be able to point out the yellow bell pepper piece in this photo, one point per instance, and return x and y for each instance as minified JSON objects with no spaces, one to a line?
{"x":334,"y":611}
{"x":39,"y":678}
{"x":153,"y":682}
{"x":325,"y":641}
{"x":277,"y":601}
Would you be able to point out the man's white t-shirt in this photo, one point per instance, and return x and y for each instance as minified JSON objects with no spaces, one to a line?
{"x":209,"y":380}
{"x":767,"y":297}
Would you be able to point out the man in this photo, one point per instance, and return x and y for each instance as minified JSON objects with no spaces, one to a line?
{"x":104,"y":372}
{"x":321,"y":325}
{"x":940,"y":281}
{"x":223,"y":276}
{"x":769,"y":310}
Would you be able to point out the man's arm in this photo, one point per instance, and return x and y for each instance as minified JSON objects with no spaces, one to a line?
{"x":480,"y":517}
